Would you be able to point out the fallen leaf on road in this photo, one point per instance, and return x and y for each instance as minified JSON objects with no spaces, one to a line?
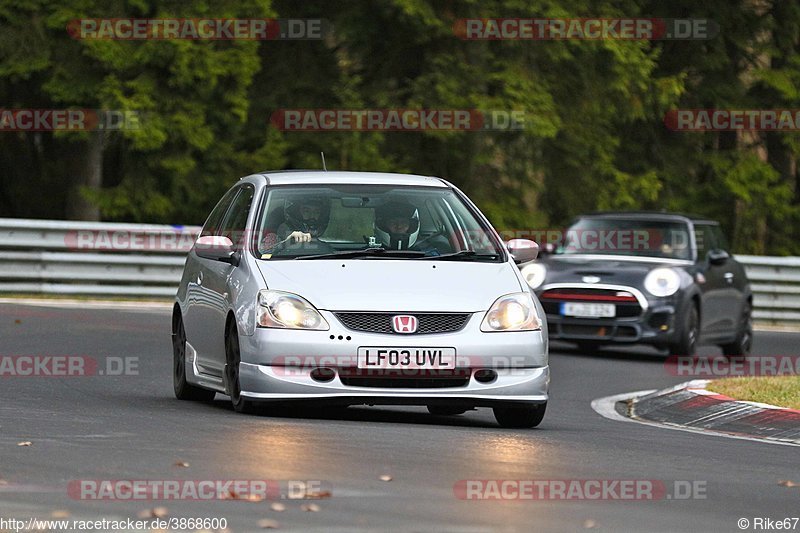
{"x":266,"y":523}
{"x":59,"y":513}
{"x":787,"y":483}
{"x":386,"y":477}
{"x":155,"y":512}
{"x":25,"y":443}
{"x":182,"y":464}
{"x":233,"y":495}
{"x":310,"y":507}
{"x":277,"y":507}
{"x":589,"y":524}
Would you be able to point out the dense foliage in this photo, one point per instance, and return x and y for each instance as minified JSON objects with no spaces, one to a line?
{"x":594,"y":135}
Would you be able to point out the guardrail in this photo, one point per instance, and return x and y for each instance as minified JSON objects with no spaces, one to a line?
{"x":105,"y":259}
{"x":776,"y":288}
{"x":91,"y":258}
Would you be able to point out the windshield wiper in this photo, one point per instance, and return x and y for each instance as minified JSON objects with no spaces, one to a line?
{"x":367,"y":252}
{"x":468,"y":254}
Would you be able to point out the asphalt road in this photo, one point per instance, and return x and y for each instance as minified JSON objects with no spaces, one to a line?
{"x":131,"y":427}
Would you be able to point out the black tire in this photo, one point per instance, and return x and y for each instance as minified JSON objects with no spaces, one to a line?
{"x":522,"y":417}
{"x":232,"y":360}
{"x":184,"y":390}
{"x":446,"y":410}
{"x":689,"y":333}
{"x":743,"y":343}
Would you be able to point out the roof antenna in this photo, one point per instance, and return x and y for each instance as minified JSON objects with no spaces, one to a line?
{"x":323,"y":161}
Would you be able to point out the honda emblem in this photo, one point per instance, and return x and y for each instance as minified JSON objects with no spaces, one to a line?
{"x":404,"y":323}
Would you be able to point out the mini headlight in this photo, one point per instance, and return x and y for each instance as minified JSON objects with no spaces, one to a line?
{"x":278,"y":309}
{"x":534,"y":274}
{"x":662,"y":282}
{"x":512,"y":312}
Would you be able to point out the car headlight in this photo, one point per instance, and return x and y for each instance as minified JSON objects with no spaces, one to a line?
{"x":534,"y":274}
{"x":278,"y":309}
{"x":512,"y":312}
{"x":662,"y":282}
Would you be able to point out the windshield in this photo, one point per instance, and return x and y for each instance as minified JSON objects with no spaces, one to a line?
{"x":371,"y":222}
{"x":611,"y":236}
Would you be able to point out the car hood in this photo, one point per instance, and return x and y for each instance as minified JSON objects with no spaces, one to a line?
{"x":393,"y":285}
{"x":609,"y":270}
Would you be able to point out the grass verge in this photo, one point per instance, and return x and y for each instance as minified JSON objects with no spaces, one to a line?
{"x":783,"y":391}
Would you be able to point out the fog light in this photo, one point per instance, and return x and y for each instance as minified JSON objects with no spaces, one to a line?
{"x":323,"y":375}
{"x":485,"y":375}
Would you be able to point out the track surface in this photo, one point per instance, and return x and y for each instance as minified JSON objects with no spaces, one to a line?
{"x":131,"y":427}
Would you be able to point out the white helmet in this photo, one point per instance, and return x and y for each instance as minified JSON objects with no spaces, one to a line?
{"x":386,"y":218}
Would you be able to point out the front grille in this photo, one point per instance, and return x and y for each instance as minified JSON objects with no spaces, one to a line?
{"x":382,"y":322}
{"x":626,"y":303}
{"x":404,"y":379}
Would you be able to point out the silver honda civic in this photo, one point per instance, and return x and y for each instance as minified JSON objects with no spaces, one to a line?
{"x":346,"y":288}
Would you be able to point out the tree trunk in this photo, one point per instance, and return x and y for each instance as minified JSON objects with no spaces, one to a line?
{"x":89,"y":175}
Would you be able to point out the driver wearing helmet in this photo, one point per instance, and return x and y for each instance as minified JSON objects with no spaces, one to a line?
{"x":397,"y":225}
{"x":304,"y":219}
{"x":397,"y":228}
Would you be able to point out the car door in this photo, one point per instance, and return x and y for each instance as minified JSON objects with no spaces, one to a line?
{"x":214,"y":287}
{"x":734,"y":295}
{"x":195,"y":274}
{"x":715,"y":314}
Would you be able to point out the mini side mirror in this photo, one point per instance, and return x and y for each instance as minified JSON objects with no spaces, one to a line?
{"x":718,"y":257}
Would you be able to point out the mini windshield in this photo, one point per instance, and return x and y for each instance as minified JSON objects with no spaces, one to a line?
{"x":630,"y":237}
{"x":371,"y":222}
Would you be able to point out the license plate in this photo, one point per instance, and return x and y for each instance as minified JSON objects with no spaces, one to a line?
{"x":588,"y":310}
{"x":428,"y":358}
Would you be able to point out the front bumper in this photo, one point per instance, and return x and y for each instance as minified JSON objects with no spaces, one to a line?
{"x":656,"y":324}
{"x":277,"y":365}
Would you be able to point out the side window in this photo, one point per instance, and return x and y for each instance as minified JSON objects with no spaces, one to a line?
{"x":235,"y":221}
{"x":214,"y":221}
{"x":719,"y":238}
{"x":704,"y":237}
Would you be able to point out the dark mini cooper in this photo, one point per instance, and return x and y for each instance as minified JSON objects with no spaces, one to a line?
{"x":662,"y":279}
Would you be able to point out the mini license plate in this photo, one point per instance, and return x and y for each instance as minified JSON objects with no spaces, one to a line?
{"x":585,"y":310}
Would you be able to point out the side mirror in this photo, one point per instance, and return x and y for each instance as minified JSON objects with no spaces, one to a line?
{"x":718,"y":257}
{"x":522,"y":250}
{"x":216,"y":248}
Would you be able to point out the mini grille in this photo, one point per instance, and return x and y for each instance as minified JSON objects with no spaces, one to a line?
{"x":382,"y":322}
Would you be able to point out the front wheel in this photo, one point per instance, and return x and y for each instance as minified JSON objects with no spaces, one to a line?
{"x":183,"y":389}
{"x":232,"y":360}
{"x":521,"y":417}
{"x":689,"y":332}
{"x":744,"y":335}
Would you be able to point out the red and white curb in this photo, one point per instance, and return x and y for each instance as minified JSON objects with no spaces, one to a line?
{"x":692,"y":407}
